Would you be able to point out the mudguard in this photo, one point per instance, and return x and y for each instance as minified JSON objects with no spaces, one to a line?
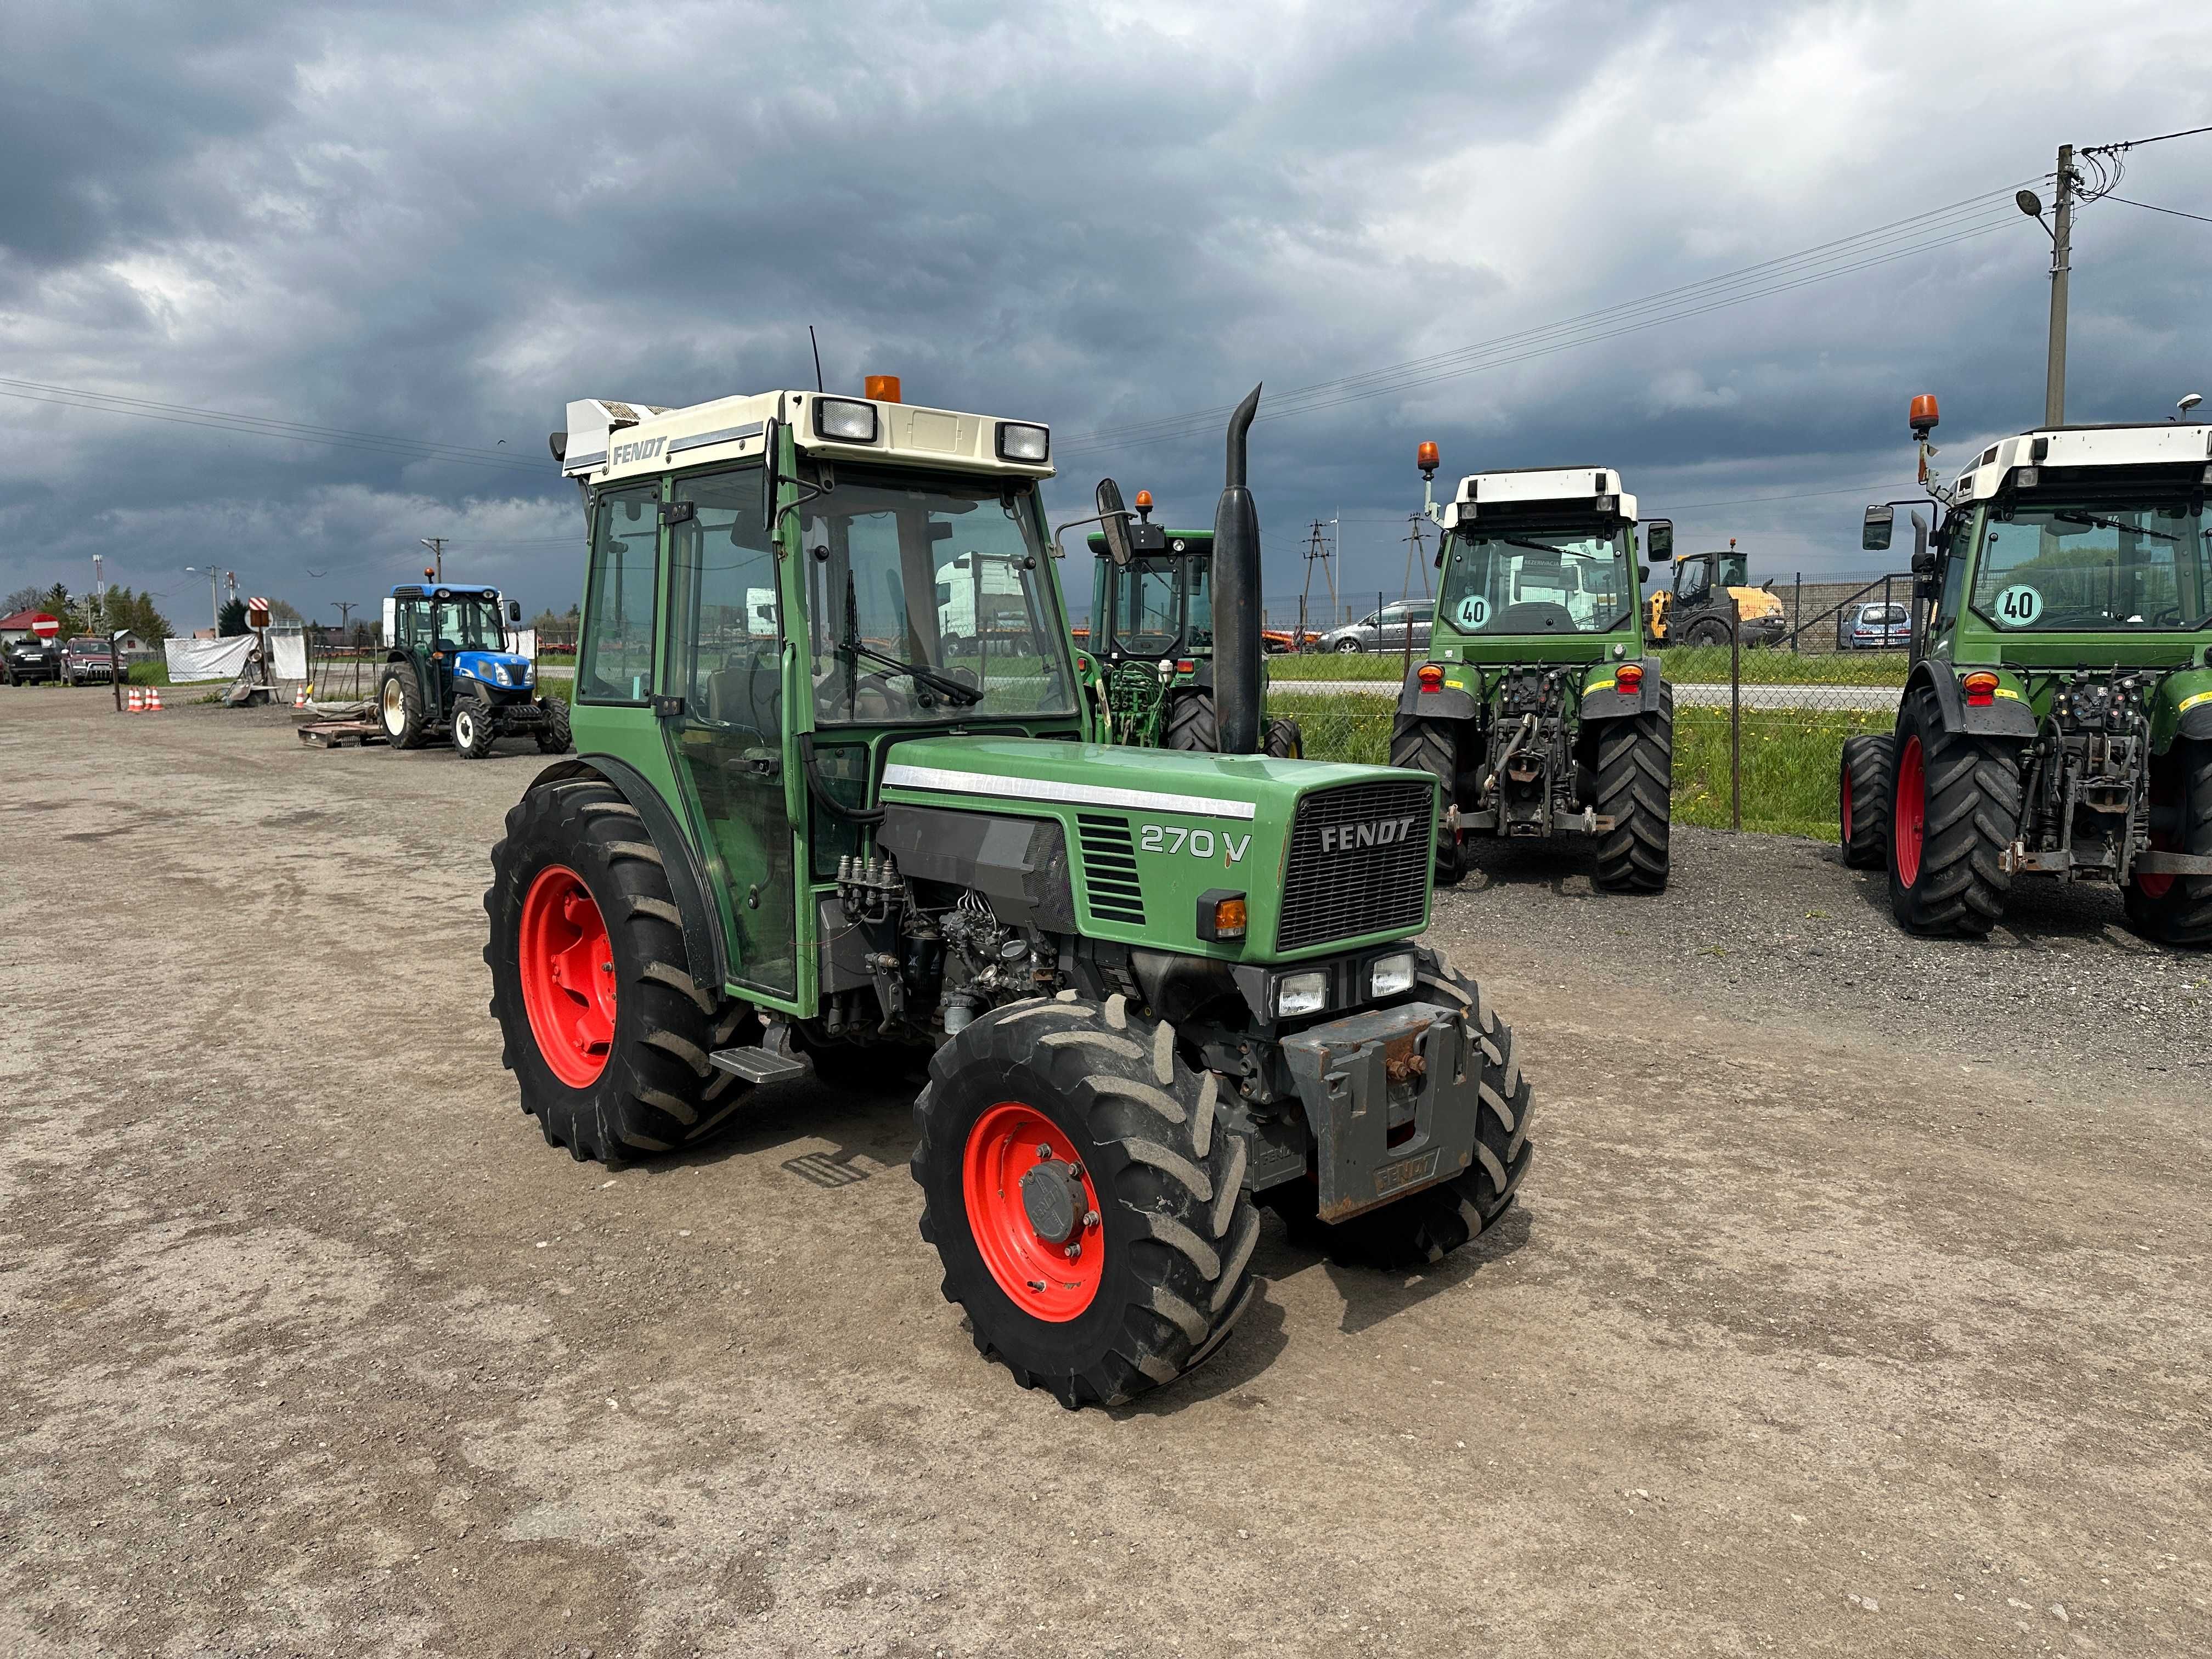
{"x":1601,"y":697}
{"x":2184,"y":710}
{"x":1458,"y":698}
{"x":2009,"y":716}
{"x":703,"y":932}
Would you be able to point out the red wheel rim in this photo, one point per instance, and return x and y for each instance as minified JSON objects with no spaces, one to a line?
{"x":1911,"y":810}
{"x":1037,"y":1274}
{"x":567,"y":968}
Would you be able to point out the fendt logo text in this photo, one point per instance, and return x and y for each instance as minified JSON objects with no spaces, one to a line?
{"x":1345,"y":837}
{"x":644,"y":450}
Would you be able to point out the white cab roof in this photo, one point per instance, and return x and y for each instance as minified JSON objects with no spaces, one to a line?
{"x":612,"y":439}
{"x":1557,"y":484}
{"x":2165,"y":443}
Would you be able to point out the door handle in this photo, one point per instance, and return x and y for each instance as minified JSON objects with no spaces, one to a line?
{"x":763,"y":762}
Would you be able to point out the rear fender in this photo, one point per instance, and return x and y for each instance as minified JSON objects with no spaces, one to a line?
{"x":2010,"y":715}
{"x":702,"y":932}
{"x":2184,"y":709}
{"x":1457,"y":699}
{"x":1602,"y":699}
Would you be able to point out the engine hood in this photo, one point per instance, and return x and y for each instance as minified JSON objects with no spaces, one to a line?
{"x":486,"y":665}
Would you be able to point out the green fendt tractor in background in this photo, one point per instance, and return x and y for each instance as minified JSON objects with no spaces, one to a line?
{"x":827,"y":816}
{"x":2060,"y":722}
{"x":1150,"y":662}
{"x":1537,"y":711}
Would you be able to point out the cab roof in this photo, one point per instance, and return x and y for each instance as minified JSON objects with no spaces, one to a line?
{"x":444,"y":591}
{"x":1533,"y":486}
{"x":608,"y":439}
{"x":2163,"y":443}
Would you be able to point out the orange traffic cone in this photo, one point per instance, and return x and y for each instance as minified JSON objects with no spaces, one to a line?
{"x":153,"y":699}
{"x":138,"y":701}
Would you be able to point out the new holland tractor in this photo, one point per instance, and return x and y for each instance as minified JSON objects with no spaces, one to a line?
{"x":2060,"y":722}
{"x":448,"y":669}
{"x":1537,"y":711}
{"x":863,"y":826}
{"x":1151,"y":663}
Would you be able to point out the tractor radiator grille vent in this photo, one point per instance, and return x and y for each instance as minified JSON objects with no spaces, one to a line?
{"x":1110,"y":869}
{"x":1356,"y":865}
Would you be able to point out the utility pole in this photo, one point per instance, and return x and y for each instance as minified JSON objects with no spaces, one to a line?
{"x":437,"y":546}
{"x":1417,"y":557}
{"x":2062,"y":233}
{"x":1317,"y":551}
{"x":345,"y":612}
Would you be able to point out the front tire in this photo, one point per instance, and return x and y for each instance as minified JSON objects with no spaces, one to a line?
{"x":1285,"y":740}
{"x":476,"y":728}
{"x":555,"y":737}
{"x":1430,"y":1225}
{"x":1345,"y":645}
{"x":1087,"y":1203}
{"x":1706,"y":633}
{"x":1864,"y":785}
{"x":602,"y":1023}
{"x":2178,"y":909}
{"x":1432,"y":746}
{"x":1954,"y":810}
{"x":399,"y":706}
{"x":1635,"y":788}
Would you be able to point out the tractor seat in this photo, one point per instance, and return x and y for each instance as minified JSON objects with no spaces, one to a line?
{"x":746,"y":691}
{"x":1535,"y":616}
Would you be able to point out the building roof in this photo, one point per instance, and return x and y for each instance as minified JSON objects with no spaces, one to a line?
{"x":28,"y":618}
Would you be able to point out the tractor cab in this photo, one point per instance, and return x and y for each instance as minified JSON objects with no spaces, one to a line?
{"x":1158,"y":605}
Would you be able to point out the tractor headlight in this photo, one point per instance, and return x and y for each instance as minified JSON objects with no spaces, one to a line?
{"x":1301,"y":993}
{"x":1018,"y":442}
{"x":1391,"y":974}
{"x":844,"y":420}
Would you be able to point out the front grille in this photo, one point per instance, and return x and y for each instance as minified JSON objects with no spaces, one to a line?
{"x":1110,"y":869}
{"x":1356,"y":867}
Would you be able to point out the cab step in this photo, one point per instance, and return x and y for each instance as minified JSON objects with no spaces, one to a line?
{"x":774,"y":1060}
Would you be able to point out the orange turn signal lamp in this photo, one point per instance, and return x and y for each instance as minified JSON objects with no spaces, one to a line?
{"x":1186,"y":666}
{"x":1981,"y":688}
{"x":1220,"y":914}
{"x":1628,"y":679}
{"x":1431,"y":677}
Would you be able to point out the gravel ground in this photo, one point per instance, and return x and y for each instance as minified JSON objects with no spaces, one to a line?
{"x":1830,"y":1321}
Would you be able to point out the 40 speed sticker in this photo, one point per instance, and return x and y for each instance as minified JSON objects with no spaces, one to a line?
{"x":2018,"y":606}
{"x":1473,"y":611}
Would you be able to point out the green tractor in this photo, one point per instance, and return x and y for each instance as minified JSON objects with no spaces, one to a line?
{"x":1537,"y":711}
{"x":2059,"y":723}
{"x":448,"y":669}
{"x":1151,"y":663}
{"x":827,"y":818}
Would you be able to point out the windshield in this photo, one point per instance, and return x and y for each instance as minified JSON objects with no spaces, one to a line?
{"x":943,"y":575}
{"x":471,"y":624}
{"x":2094,"y":566}
{"x":1150,"y":594}
{"x":1537,"y":581}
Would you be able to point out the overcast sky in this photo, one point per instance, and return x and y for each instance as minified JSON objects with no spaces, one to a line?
{"x":443,"y":224}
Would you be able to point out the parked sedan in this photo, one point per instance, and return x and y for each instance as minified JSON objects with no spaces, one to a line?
{"x":87,"y":659}
{"x":1384,"y":630}
{"x":1875,"y":627}
{"x":26,"y":662}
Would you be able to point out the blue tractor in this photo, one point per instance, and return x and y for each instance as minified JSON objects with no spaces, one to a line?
{"x":447,"y":667}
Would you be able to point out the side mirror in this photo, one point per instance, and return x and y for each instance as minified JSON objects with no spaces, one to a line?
{"x":1873,"y":535}
{"x":514,"y":611}
{"x":1112,"y":521}
{"x":1643,"y":574}
{"x":1659,"y":542}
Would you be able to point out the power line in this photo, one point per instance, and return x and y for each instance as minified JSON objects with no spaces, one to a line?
{"x":2155,"y":208}
{"x":2136,"y":144}
{"x":1899,"y":239}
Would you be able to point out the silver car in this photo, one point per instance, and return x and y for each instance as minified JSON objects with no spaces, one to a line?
{"x":1384,"y":630}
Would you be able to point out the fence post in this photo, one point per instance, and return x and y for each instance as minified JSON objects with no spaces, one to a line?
{"x":1796,"y":611}
{"x":1735,"y":712}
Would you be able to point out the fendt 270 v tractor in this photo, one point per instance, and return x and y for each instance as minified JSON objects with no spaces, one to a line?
{"x":826,"y":816}
{"x":1152,"y":647}
{"x":2060,"y":722}
{"x":448,"y":668}
{"x":1537,"y":711}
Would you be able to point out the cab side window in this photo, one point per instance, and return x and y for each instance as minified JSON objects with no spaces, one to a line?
{"x":614,"y":661}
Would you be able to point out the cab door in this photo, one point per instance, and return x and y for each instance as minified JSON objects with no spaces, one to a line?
{"x":722,"y":706}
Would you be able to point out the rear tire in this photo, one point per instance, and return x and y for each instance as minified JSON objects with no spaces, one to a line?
{"x":1706,"y":633}
{"x":576,"y":853}
{"x":1164,"y":1271}
{"x":555,"y":738}
{"x":1432,"y":746}
{"x":2178,"y":909}
{"x":1864,"y":785}
{"x":1954,"y":810}
{"x":476,"y":728}
{"x":1635,"y":788}
{"x":1342,"y":645}
{"x":1286,"y":741}
{"x":1430,"y":1225}
{"x":1192,"y":724}
{"x":399,"y":706}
